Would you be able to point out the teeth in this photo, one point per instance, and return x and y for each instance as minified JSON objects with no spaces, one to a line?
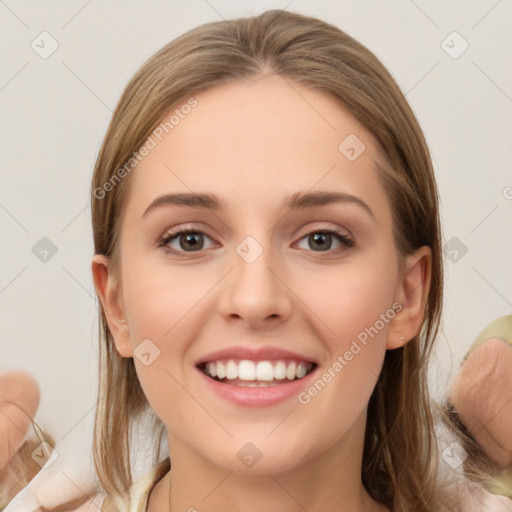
{"x":290,"y":372}
{"x":256,"y":384}
{"x":264,"y":371}
{"x":257,"y":373}
{"x":211,"y":368}
{"x":246,"y":370}
{"x":231,"y":370}
{"x":280,"y":370}
{"x":220,"y":370}
{"x":301,"y":371}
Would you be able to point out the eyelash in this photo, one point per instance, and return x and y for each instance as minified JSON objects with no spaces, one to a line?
{"x":162,"y":243}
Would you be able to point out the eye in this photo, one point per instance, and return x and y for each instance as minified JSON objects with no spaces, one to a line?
{"x":189,"y":241}
{"x":184,"y":241}
{"x":323,"y":240}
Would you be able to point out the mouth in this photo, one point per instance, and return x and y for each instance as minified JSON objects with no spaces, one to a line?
{"x":256,"y":374}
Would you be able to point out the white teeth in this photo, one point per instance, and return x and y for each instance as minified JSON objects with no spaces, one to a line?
{"x":256,"y":384}
{"x":246,"y":370}
{"x":280,"y":370}
{"x":264,"y":371}
{"x":231,"y":370}
{"x":257,"y":373}
{"x":290,"y":372}
{"x":212,"y":369}
{"x":221,"y":370}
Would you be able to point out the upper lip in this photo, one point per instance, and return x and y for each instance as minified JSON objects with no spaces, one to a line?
{"x":254,"y":354}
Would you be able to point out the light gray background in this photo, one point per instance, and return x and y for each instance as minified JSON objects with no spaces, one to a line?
{"x":54,"y":113}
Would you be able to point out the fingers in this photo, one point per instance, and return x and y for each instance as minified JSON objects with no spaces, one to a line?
{"x":19,"y":400}
{"x":482,"y":396}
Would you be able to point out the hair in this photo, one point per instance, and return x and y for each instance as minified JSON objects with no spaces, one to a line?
{"x":22,"y":467}
{"x":400,"y":452}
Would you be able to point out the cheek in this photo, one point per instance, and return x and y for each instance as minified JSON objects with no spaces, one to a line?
{"x":353,"y":301}
{"x":353,"y":306}
{"x":160,"y":309}
{"x":157,"y":301}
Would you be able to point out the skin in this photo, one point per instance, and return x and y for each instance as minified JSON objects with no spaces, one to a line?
{"x":254,"y":143}
{"x":482,"y":396}
{"x":19,"y":400}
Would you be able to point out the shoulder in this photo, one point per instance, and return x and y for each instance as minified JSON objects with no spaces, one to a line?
{"x":140,"y":490}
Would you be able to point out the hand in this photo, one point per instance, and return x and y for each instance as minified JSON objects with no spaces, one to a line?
{"x":482,"y":396}
{"x":19,"y":400}
{"x":68,"y":484}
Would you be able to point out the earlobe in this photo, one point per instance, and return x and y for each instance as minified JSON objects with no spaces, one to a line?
{"x":109,"y":294}
{"x":412,"y":292}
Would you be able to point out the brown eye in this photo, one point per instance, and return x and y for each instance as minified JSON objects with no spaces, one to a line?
{"x":323,"y":240}
{"x":184,"y":241}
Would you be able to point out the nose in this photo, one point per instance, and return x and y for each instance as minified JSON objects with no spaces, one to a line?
{"x":255,"y":291}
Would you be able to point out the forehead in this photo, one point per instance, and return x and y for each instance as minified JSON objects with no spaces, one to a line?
{"x":256,"y":141}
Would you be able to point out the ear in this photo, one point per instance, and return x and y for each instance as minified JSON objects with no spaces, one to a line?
{"x":109,"y":293}
{"x":411,"y":293}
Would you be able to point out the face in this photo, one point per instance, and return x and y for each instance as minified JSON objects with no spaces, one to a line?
{"x":267,"y":273}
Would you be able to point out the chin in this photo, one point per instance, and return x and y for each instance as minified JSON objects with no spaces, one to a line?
{"x":259,"y":458}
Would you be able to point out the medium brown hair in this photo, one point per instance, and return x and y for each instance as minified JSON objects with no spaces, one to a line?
{"x":400,"y":452}
{"x":22,"y":467}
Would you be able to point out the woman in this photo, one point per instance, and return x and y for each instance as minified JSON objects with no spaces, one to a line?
{"x":284,"y":376}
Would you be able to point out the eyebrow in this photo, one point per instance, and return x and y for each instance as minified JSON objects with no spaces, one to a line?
{"x":297,"y":201}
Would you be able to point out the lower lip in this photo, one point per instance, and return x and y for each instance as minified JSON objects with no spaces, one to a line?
{"x":258,"y":397}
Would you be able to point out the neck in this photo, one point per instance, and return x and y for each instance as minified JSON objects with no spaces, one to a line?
{"x":329,"y":482}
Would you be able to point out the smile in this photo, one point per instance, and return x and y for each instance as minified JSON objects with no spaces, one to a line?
{"x":248,"y":373}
